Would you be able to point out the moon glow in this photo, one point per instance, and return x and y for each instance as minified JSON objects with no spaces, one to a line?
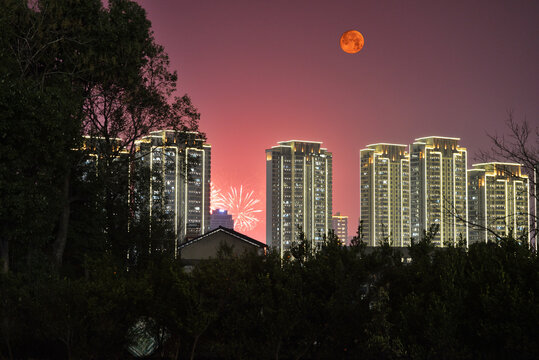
{"x":352,"y":41}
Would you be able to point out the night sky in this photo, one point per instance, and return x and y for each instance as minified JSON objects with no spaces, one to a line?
{"x":267,"y":71}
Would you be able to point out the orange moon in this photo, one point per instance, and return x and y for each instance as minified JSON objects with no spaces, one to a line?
{"x":352,"y":41}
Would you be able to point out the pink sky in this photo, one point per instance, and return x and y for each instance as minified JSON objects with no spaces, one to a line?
{"x":267,"y":71}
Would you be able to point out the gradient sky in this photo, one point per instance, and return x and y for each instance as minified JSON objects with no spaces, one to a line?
{"x":267,"y":71}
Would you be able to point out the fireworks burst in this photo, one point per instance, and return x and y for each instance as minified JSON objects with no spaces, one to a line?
{"x":242,"y":207}
{"x":217,"y":200}
{"x":240,"y":204}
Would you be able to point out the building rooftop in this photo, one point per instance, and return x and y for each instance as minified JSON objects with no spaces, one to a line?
{"x":228,"y":231}
{"x":388,"y":144}
{"x":299,"y":141}
{"x":437,"y":137}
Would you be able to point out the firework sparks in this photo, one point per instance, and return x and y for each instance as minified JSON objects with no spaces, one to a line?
{"x":217,"y":200}
{"x":239,"y":203}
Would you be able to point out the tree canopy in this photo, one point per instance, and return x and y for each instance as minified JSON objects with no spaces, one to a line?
{"x":68,"y":69}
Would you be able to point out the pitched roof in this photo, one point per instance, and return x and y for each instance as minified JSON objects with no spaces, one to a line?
{"x":231,"y":232}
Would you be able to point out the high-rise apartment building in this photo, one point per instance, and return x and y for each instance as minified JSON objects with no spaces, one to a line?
{"x":340,"y":227}
{"x":438,"y":188}
{"x":298,"y":193}
{"x":98,"y":147}
{"x":180,"y":171}
{"x":385,"y":194}
{"x":498,"y":201}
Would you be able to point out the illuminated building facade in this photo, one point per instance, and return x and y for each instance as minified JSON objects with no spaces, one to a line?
{"x":385,"y":194}
{"x":220,"y":217}
{"x":298,"y":193}
{"x":180,"y":168}
{"x":98,"y":147}
{"x":340,"y":226}
{"x":498,"y":201}
{"x":438,"y":189}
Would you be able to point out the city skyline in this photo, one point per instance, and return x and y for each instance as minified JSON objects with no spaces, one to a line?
{"x":260,"y":73}
{"x":403,"y":193}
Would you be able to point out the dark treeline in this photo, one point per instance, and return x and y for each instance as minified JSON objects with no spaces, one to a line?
{"x":340,"y":302}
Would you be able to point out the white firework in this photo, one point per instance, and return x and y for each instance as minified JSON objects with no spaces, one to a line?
{"x":242,"y":207}
{"x":217,"y":201}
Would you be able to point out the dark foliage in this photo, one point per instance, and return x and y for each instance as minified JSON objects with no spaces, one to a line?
{"x":451,"y":303}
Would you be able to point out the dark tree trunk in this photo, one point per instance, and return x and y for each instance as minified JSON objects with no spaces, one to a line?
{"x":192,"y":357}
{"x":278,"y":350}
{"x":4,"y":255}
{"x":61,"y":236}
{"x":7,"y":340}
{"x":177,"y":352}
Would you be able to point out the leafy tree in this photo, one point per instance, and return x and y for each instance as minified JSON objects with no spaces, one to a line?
{"x":36,"y":104}
{"x":68,"y":69}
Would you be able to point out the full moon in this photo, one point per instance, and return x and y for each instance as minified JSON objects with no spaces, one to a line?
{"x":352,"y":41}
